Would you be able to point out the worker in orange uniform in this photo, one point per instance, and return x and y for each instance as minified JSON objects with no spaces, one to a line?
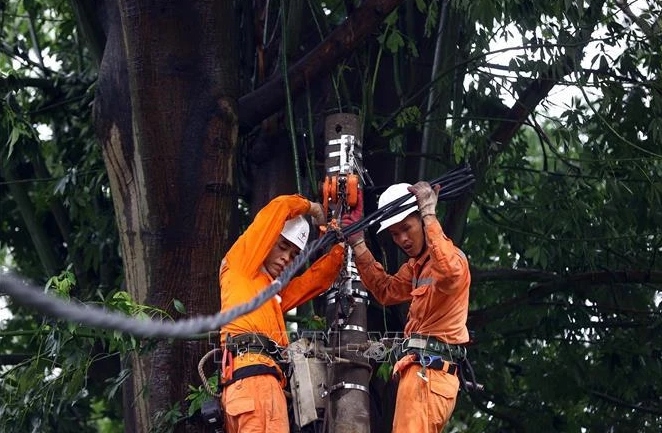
{"x":436,"y":280}
{"x":252,"y":380}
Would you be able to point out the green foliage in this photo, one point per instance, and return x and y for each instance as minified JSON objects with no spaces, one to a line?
{"x":69,"y":379}
{"x":51,"y":155}
{"x":199,"y":395}
{"x":314,"y":323}
{"x":384,"y":371}
{"x":62,"y":284}
{"x":565,"y":214}
{"x":53,"y":388}
{"x":166,"y":420}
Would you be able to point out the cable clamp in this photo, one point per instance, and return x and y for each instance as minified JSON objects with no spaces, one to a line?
{"x":344,"y":385}
{"x":332,"y":301}
{"x":353,"y":328}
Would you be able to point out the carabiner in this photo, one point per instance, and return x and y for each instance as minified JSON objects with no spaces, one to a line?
{"x":423,"y":359}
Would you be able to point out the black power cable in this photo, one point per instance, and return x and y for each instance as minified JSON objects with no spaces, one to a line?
{"x":453,"y":184}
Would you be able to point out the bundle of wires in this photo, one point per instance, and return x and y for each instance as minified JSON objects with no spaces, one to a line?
{"x":453,"y":184}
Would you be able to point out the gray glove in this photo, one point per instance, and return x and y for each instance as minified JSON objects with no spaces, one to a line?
{"x":426,"y":197}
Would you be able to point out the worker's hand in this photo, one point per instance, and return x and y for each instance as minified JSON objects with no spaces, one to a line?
{"x":355,"y":214}
{"x":316,"y":212}
{"x":426,"y":197}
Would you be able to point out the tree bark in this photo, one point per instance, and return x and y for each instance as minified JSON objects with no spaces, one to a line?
{"x":166,"y":117}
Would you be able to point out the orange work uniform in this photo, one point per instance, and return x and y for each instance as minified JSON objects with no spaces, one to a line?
{"x":257,"y":403}
{"x":437,"y":284}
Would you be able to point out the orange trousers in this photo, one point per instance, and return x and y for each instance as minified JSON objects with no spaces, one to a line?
{"x":255,"y":404}
{"x":424,"y":406}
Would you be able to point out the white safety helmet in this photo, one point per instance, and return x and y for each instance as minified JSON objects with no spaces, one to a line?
{"x":393,"y":193}
{"x":296,"y":230}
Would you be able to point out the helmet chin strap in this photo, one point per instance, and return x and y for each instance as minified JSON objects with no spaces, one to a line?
{"x":424,"y":245}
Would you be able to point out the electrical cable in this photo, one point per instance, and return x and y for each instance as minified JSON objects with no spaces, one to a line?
{"x":453,"y":184}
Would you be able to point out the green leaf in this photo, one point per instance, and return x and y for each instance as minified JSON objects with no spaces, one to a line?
{"x":394,"y":41}
{"x":179,"y":306}
{"x":13,"y":138}
{"x":384,"y":371}
{"x":392,"y":18}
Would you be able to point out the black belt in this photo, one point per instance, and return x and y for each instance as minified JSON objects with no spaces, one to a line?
{"x":253,"y":343}
{"x":253,"y":370}
{"x":430,"y":345}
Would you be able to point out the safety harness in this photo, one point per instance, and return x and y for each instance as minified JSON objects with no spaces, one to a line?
{"x":430,"y":352}
{"x":435,"y":354}
{"x":249,"y":343}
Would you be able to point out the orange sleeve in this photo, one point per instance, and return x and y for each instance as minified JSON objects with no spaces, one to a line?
{"x":387,"y":289}
{"x":318,"y":278}
{"x":448,"y":261}
{"x":252,"y":247}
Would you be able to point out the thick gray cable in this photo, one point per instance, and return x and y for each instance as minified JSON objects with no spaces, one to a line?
{"x":98,"y":317}
{"x":31,"y":296}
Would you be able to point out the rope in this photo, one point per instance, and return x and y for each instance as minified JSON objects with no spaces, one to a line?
{"x":201,"y":372}
{"x":31,"y":296}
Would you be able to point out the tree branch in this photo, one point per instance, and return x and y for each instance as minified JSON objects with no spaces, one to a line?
{"x":552,"y":283}
{"x":540,"y":88}
{"x":14,"y":83}
{"x":13,"y":358}
{"x":642,"y":23}
{"x":50,"y":261}
{"x":480,"y":276}
{"x":92,"y":27}
{"x":619,"y":402}
{"x":536,"y":91}
{"x":270,"y":97}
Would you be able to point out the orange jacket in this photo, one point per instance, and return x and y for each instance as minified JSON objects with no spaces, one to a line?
{"x":242,"y":276}
{"x":436,"y":283}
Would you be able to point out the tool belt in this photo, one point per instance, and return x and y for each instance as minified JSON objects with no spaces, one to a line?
{"x":252,"y":370}
{"x":253,"y":343}
{"x":432,"y":346}
{"x":437,"y":363}
{"x":435,"y":354}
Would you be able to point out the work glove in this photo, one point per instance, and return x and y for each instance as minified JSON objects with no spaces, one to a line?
{"x":316,"y":212}
{"x":426,"y":197}
{"x":355,"y":214}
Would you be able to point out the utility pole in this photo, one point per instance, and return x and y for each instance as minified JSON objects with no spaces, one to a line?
{"x":348,"y":376}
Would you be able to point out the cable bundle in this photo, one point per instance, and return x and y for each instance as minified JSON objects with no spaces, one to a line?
{"x":453,"y":184}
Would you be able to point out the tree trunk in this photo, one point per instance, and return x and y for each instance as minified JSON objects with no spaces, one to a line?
{"x":166,"y":117}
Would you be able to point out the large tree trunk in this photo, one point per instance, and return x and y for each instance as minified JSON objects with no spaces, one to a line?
{"x":166,"y":117}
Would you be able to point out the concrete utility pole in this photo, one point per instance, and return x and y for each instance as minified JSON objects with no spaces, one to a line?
{"x":347,"y":393}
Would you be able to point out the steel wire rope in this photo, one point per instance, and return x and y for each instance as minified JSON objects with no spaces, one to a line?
{"x":30,"y":296}
{"x":27,"y":295}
